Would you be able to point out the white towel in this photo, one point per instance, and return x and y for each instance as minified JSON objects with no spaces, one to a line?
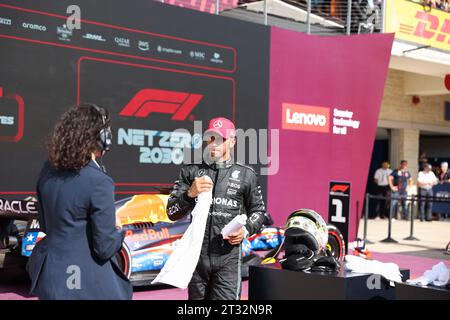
{"x":439,"y":275}
{"x":180,"y":266}
{"x":390,"y":271}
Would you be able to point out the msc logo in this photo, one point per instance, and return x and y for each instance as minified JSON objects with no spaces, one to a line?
{"x":146,"y":101}
{"x":305,"y":118}
{"x":339,"y":188}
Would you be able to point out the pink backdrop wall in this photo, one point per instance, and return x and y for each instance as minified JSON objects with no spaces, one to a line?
{"x":342,"y":72}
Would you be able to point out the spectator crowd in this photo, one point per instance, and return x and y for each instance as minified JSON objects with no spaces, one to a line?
{"x":395,"y":186}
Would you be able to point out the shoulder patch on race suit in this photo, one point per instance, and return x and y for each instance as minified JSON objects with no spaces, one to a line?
{"x":254,"y":217}
{"x":173,"y":209}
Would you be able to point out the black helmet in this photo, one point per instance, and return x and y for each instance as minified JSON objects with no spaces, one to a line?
{"x":305,"y":243}
{"x":307,"y":227}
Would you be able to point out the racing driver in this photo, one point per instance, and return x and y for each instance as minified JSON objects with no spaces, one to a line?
{"x":236,"y":190}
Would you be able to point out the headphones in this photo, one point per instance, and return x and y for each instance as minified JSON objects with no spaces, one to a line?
{"x":104,"y":138}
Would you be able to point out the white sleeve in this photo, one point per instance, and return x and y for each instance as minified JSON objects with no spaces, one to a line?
{"x":420,"y":177}
{"x":435,"y":178}
{"x":377,"y":174}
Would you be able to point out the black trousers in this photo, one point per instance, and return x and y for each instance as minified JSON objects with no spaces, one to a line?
{"x":217,"y":277}
{"x":382,"y":205}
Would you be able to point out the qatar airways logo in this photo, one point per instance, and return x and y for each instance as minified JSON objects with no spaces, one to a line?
{"x":305,"y":118}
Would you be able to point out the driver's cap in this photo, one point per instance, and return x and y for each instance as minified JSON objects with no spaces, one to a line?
{"x":221,"y":126}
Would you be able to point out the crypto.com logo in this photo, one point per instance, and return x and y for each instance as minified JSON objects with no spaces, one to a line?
{"x":305,"y":118}
{"x":147,"y":101}
{"x":20,"y":116}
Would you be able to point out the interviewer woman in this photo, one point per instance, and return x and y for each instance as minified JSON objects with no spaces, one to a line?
{"x":76,"y":258}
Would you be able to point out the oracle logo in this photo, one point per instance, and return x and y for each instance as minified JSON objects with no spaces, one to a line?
{"x":305,"y":118}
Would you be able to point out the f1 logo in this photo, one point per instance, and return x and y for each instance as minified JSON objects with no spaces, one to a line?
{"x":10,"y":120}
{"x":146,"y":101}
{"x":339,"y":207}
{"x":339,"y":188}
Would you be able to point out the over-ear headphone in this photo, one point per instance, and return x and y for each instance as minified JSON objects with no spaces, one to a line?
{"x":104,"y":138}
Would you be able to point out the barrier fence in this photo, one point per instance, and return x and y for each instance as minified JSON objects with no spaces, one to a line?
{"x":413,"y":199}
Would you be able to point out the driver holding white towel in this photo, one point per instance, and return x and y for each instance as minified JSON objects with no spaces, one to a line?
{"x":235,"y":190}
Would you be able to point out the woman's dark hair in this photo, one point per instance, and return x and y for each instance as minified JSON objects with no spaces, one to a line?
{"x":75,"y":137}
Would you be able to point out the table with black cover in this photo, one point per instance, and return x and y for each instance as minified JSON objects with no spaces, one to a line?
{"x":270,"y":282}
{"x":412,"y":292}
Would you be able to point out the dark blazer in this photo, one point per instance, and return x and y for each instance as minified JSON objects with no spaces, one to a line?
{"x":75,"y":260}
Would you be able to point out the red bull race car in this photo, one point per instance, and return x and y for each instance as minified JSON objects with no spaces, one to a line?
{"x":150,"y":237}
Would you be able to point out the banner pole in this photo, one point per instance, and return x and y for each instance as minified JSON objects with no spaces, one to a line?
{"x":308,"y":17}
{"x":366,"y":219}
{"x":349,"y":15}
{"x":265,"y":12}
{"x":391,"y":213}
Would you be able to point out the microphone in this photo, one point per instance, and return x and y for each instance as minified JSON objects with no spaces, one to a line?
{"x":102,"y":166}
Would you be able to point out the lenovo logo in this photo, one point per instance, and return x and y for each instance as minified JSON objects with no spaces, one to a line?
{"x":305,"y":118}
{"x":146,"y":101}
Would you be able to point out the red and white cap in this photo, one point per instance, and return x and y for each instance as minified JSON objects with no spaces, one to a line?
{"x":221,"y":126}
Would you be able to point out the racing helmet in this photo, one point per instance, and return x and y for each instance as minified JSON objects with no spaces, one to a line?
{"x":306,"y":227}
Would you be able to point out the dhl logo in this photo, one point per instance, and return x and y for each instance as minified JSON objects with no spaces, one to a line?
{"x":428,"y":26}
{"x":412,"y":23}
